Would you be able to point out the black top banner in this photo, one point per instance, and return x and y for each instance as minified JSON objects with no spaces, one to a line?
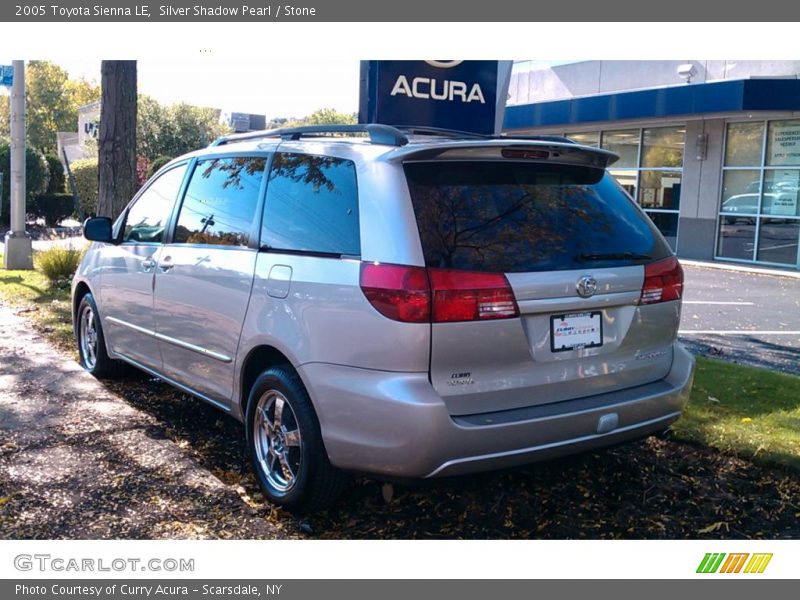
{"x":399,"y":11}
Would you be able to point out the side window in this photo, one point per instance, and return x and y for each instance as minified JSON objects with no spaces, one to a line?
{"x":220,"y":201}
{"x":147,"y":218}
{"x":312,"y":205}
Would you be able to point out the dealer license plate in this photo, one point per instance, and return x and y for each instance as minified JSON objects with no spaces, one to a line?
{"x":576,"y":330}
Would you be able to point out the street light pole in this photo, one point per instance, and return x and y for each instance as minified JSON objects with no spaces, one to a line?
{"x":18,"y":252}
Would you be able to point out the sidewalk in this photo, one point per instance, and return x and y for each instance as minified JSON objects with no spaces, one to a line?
{"x":69,"y":242}
{"x":741,"y":268}
{"x":77,"y":462}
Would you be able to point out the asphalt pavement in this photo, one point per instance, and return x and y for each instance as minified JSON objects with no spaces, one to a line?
{"x":745,"y":317}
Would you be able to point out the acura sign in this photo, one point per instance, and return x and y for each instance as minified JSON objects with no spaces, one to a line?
{"x":468,"y":95}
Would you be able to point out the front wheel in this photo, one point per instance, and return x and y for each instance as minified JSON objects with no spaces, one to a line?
{"x":92,"y":343}
{"x":285,"y":444}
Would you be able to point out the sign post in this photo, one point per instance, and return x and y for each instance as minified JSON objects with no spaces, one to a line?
{"x":18,"y":250}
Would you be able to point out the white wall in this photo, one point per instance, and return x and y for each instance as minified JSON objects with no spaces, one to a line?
{"x":601,"y":77}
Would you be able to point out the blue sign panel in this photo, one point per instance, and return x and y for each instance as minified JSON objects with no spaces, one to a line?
{"x":6,"y":75}
{"x":679,"y":100}
{"x":451,"y":94}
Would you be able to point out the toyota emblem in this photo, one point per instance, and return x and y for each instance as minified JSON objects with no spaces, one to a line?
{"x":586,"y":286}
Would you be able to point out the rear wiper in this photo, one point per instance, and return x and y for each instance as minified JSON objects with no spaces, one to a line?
{"x":613,"y":256}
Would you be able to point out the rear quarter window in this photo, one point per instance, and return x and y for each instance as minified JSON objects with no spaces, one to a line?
{"x":311,"y":205}
{"x":521,"y":216}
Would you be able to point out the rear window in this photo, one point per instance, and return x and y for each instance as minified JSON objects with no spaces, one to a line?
{"x":518,"y":217}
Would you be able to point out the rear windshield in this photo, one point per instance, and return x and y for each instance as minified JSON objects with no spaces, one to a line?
{"x":516,"y":217}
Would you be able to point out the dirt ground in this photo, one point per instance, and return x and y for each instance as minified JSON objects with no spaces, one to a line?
{"x":137,"y":459}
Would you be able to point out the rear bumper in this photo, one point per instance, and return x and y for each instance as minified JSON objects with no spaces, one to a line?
{"x":396,"y":425}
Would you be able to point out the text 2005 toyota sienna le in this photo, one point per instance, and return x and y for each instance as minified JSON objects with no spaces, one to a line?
{"x":402,"y":303}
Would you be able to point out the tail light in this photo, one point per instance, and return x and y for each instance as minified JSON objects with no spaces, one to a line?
{"x":469,"y":296}
{"x":663,"y":281}
{"x":397,"y":292}
{"x":419,"y":295}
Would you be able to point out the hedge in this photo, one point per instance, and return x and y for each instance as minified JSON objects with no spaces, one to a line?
{"x":52,"y":207}
{"x":37,"y":177}
{"x":157,"y":163}
{"x":84,"y":174}
{"x":57,"y":177}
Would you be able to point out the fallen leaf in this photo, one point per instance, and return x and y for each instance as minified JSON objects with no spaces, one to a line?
{"x":713,"y":527}
{"x":388,"y":492}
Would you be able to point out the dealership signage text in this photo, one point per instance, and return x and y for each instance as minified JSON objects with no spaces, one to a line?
{"x":428,"y":88}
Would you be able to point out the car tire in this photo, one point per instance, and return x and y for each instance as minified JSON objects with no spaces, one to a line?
{"x":92,"y":342}
{"x":285,"y":444}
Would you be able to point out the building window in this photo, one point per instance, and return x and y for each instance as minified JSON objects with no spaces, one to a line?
{"x":585,"y":138}
{"x":759,"y":208}
{"x":650,"y":169}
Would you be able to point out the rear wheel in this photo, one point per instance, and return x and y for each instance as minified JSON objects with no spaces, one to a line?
{"x":285,"y":444}
{"x":92,"y":343}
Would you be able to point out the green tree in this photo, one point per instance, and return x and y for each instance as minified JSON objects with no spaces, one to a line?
{"x":330,"y":116}
{"x":57,"y":181}
{"x":176,"y":129}
{"x":51,"y":104}
{"x":37,"y":176}
{"x":321,"y":116}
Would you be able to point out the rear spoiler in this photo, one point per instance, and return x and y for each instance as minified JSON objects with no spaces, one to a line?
{"x":506,"y":149}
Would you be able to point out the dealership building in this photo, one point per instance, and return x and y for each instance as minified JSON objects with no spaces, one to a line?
{"x":709,"y":149}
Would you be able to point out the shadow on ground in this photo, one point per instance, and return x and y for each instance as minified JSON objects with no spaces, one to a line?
{"x":746,"y":350}
{"x":650,"y":489}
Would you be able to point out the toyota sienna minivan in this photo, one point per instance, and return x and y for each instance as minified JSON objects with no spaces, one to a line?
{"x":403,"y":303}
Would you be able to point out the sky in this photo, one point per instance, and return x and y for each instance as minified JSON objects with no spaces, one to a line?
{"x":284,"y":88}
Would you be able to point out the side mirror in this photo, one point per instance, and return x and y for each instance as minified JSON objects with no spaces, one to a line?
{"x":98,"y":229}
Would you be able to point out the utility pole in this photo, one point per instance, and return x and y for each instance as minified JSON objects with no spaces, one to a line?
{"x":18,"y":251}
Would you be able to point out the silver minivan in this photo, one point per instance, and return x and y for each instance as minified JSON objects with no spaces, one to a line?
{"x":404,"y":303}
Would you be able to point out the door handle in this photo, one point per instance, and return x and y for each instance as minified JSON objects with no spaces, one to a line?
{"x":165,"y":266}
{"x":148,"y":264}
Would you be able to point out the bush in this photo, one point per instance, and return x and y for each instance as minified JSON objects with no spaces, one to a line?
{"x":58,"y":264}
{"x":159,"y":162}
{"x":57,"y":177}
{"x":84,"y":174}
{"x":37,"y":177}
{"x":52,"y":207}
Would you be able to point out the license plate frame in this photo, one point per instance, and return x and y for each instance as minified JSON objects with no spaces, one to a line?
{"x":591,"y":338}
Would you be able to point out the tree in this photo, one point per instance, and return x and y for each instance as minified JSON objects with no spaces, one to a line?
{"x":117,"y":139}
{"x":52,"y":102}
{"x":329,"y":116}
{"x":37,"y":176}
{"x":321,"y":116}
{"x":176,"y":129}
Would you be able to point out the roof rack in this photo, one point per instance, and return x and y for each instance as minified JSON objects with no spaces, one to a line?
{"x":378,"y":134}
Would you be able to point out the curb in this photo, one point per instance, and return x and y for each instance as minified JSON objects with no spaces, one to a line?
{"x":740,"y":268}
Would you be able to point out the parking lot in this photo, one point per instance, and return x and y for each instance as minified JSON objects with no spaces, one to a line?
{"x":744,"y":317}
